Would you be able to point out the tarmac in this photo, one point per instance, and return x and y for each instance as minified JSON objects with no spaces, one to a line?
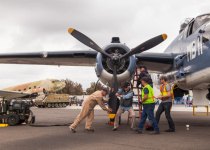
{"x":24,"y":137}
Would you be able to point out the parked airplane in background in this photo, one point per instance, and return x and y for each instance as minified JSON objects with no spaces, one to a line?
{"x":49,"y":85}
{"x":185,"y":62}
{"x":32,"y":89}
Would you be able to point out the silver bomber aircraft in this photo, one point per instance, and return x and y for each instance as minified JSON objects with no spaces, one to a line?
{"x":185,"y":62}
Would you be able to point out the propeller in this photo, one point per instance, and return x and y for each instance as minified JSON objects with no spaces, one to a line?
{"x":113,"y":97}
{"x":87,"y":41}
{"x":116,"y":59}
{"x":146,"y":45}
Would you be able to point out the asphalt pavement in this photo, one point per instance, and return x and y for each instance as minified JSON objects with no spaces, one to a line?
{"x":24,"y":137}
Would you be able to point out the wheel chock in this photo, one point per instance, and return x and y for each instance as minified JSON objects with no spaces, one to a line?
{"x":3,"y":125}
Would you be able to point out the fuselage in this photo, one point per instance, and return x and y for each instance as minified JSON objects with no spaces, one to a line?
{"x":193,"y":44}
{"x":49,"y":85}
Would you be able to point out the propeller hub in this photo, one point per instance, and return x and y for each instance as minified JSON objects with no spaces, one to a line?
{"x":115,"y":59}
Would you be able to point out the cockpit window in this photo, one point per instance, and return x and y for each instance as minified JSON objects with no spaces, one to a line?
{"x":206,"y":34}
{"x":200,"y":20}
{"x":55,"y":81}
{"x":184,"y":23}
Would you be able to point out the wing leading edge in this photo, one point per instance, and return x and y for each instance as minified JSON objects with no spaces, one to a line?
{"x":63,"y":58}
{"x":156,"y":62}
{"x":13,"y":94}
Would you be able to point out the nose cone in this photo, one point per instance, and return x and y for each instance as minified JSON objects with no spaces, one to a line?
{"x":59,"y":86}
{"x":63,"y":84}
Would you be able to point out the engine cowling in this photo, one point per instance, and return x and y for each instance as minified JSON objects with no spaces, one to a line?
{"x":125,"y":69}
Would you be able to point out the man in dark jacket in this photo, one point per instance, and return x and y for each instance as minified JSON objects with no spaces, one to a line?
{"x":144,"y":73}
{"x":126,"y":102}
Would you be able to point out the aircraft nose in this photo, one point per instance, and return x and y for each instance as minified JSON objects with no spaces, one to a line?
{"x":63,"y":84}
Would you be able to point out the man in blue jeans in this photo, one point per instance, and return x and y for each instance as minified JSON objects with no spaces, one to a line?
{"x":148,"y":101}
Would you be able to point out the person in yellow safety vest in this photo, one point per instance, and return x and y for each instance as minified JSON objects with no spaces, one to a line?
{"x":148,"y":101}
{"x":166,"y":104}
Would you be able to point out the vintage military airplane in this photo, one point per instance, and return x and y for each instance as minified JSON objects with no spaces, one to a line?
{"x":184,"y":62}
{"x":33,"y":88}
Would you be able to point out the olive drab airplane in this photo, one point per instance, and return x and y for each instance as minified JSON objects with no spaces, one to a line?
{"x":33,"y":88}
{"x":185,"y":62}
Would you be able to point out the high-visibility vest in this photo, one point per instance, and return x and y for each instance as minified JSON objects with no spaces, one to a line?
{"x":151,"y":98}
{"x":164,"y":92}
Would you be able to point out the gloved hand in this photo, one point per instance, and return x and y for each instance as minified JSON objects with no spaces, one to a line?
{"x":140,"y":103}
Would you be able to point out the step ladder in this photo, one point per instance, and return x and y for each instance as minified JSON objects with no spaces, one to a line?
{"x":137,"y":92}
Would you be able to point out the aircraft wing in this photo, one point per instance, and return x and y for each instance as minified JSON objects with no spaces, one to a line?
{"x":63,"y":58}
{"x":156,"y":62}
{"x":12,"y":94}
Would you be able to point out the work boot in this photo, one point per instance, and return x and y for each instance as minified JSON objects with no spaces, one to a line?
{"x":134,"y":129}
{"x":170,"y":130}
{"x":72,"y":130}
{"x":155,"y":132}
{"x":89,"y":130}
{"x":139,"y":131}
{"x":114,"y":129}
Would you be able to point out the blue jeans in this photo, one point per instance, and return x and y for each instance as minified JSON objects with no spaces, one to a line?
{"x":148,"y":111}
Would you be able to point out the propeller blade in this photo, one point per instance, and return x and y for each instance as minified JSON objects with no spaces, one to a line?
{"x":86,"y":40}
{"x":113,"y":103}
{"x":146,"y":45}
{"x":115,"y":78}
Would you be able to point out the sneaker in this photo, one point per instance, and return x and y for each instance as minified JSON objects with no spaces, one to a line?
{"x":155,"y":132}
{"x":89,"y":130}
{"x":170,"y":130}
{"x":72,"y":130}
{"x":114,"y":129}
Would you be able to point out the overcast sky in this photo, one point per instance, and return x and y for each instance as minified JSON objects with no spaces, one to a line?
{"x":42,"y":25}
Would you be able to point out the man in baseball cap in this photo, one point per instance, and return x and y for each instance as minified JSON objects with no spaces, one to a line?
{"x":87,"y":110}
{"x":144,"y":73}
{"x":126,"y":101}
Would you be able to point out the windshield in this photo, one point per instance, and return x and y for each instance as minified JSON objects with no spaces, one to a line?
{"x":184,"y":23}
{"x":55,"y":81}
{"x":200,"y":20}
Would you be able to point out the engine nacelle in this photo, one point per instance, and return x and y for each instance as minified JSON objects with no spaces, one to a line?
{"x":125,"y":69}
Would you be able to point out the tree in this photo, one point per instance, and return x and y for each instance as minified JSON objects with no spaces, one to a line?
{"x":91,"y":89}
{"x":71,"y":88}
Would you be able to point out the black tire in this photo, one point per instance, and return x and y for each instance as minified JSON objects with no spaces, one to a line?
{"x":49,"y":105}
{"x":56,"y":105}
{"x":13,"y":119}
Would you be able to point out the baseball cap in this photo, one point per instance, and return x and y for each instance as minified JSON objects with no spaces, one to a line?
{"x":126,"y":84}
{"x":104,"y":89}
{"x":143,"y":67}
